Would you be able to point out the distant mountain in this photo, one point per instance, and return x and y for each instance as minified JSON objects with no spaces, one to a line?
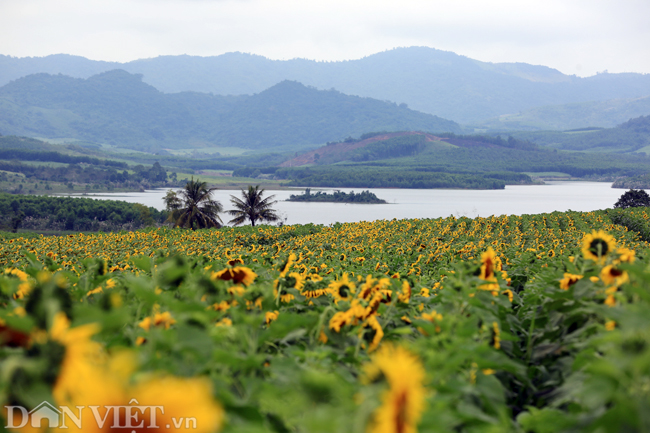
{"x":631,"y":136}
{"x":432,"y":81}
{"x":606,"y":114}
{"x":118,"y":108}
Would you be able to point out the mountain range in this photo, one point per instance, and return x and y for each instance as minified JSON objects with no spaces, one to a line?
{"x":432,"y":81}
{"x":118,"y":108}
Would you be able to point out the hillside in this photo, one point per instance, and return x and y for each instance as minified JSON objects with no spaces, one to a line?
{"x":429,"y":80}
{"x":396,"y":144}
{"x":119,"y":108}
{"x":420,"y":160}
{"x":628,"y":137}
{"x":605,"y":114}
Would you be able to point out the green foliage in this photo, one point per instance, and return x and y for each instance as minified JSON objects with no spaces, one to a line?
{"x":66,"y":213}
{"x":633,"y":198}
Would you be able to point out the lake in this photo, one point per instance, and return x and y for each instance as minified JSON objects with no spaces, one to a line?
{"x":421,"y":203}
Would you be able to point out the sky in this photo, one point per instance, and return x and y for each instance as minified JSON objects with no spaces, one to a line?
{"x":581,"y":37}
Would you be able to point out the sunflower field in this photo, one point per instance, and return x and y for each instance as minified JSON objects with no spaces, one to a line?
{"x":534,"y":323}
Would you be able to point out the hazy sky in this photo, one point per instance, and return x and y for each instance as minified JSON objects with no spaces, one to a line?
{"x":579,"y":37}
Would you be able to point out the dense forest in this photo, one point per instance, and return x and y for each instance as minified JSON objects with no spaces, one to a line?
{"x":365,"y":197}
{"x":80,"y":214}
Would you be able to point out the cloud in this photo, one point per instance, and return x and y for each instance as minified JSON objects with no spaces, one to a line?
{"x":595,"y":34}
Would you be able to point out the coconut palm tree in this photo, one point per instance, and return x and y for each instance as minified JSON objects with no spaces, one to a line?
{"x":252,"y":207}
{"x":193,"y":206}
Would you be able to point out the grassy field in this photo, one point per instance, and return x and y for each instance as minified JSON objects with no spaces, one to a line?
{"x":522,"y":323}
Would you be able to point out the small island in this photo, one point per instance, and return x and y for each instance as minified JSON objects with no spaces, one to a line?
{"x":365,"y":197}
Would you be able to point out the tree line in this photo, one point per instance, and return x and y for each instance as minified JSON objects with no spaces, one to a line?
{"x":156,"y":175}
{"x":51,"y":156}
{"x":367,"y":177}
{"x":79,"y":214}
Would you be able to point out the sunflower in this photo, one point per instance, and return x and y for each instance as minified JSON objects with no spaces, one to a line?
{"x":270,"y":316}
{"x":160,"y":319}
{"x":235,"y":262}
{"x":496,"y":335}
{"x":489,"y":263}
{"x":238,"y":274}
{"x":287,"y":265}
{"x":569,"y":280}
{"x":342,"y":289}
{"x":339,"y":320}
{"x":190,"y":398}
{"x":13,"y":338}
{"x":625,"y":255}
{"x":597,"y":245}
{"x":372,"y":332}
{"x":405,"y":295}
{"x":312,"y":289}
{"x":294,"y":280}
{"x":611,"y":275}
{"x":402,"y":403}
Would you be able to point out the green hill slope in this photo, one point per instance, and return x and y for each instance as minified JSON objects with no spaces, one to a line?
{"x":631,"y":136}
{"x":118,"y":108}
{"x":605,"y":114}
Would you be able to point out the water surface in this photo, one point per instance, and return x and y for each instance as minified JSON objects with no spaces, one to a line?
{"x":422,"y":203}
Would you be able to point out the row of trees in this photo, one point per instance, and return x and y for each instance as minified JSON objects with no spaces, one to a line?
{"x":73,"y":214}
{"x":194,"y":207}
{"x":90,"y":174}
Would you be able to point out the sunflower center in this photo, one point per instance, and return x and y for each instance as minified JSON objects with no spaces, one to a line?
{"x":615,"y":272}
{"x":344,"y":291}
{"x":370,"y":334}
{"x":400,"y":413}
{"x":598,"y":247}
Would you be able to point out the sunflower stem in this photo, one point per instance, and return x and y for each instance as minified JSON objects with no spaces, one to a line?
{"x":529,"y":345}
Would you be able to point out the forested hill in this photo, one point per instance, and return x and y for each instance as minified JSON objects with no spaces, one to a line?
{"x":429,"y":80}
{"x":628,"y":137}
{"x":118,"y":108}
{"x":604,"y":114}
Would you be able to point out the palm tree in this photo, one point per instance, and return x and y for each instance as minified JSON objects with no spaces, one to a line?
{"x":252,"y":207}
{"x":193,"y":206}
